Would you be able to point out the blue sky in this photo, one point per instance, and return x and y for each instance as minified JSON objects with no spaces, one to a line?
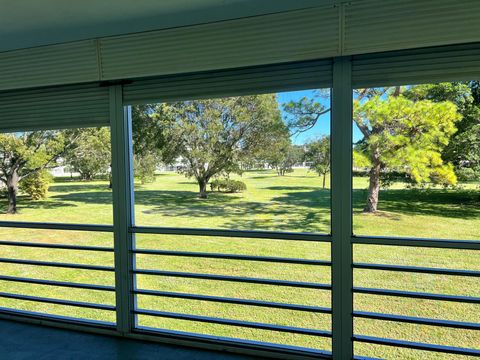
{"x":322,"y":127}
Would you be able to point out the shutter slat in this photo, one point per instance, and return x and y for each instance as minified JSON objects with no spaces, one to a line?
{"x":448,"y":63}
{"x":67,"y":63}
{"x":384,"y":25}
{"x":268,"y":39}
{"x":236,"y":82}
{"x":54,"y":108}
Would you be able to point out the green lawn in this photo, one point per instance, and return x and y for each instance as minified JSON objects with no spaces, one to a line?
{"x":295,"y":202}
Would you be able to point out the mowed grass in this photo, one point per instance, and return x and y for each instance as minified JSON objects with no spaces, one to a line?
{"x":295,"y":202}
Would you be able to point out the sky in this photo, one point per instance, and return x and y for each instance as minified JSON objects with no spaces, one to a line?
{"x":322,"y":127}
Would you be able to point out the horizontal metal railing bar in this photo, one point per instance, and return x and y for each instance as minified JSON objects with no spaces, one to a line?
{"x":57,"y":318}
{"x":416,"y":269}
{"x":257,"y":234}
{"x":56,"y":264}
{"x":248,"y":324}
{"x":233,"y":257}
{"x":56,"y":246}
{"x":58,"y":301}
{"x":56,"y":226}
{"x":262,"y":281}
{"x":417,"y":345}
{"x":417,"y":320}
{"x":417,"y":295}
{"x":57,"y":283}
{"x":228,"y":300}
{"x":283,"y":349}
{"x":417,"y":242}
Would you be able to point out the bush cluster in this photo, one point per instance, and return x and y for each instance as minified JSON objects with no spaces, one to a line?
{"x":467,"y":174}
{"x":36,"y":185}
{"x":228,"y":186}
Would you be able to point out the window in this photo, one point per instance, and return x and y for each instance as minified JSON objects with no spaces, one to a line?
{"x":255,"y":163}
{"x":53,"y":182}
{"x":415,"y":176}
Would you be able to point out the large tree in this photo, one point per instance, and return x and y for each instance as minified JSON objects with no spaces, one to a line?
{"x":399,"y":133}
{"x":209,"y":136}
{"x":25,"y":154}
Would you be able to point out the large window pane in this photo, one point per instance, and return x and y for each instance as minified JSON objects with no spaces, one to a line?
{"x":257,"y":162}
{"x":416,"y":174}
{"x":57,"y":176}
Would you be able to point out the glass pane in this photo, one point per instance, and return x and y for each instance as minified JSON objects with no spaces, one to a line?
{"x":417,"y":161}
{"x":56,"y":176}
{"x":258,"y":162}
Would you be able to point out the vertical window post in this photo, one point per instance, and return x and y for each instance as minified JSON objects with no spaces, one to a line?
{"x":342,"y":272}
{"x":122,"y":208}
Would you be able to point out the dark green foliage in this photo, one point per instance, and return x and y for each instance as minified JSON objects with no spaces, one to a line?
{"x":228,"y":185}
{"x":463,"y":149}
{"x":467,"y":174}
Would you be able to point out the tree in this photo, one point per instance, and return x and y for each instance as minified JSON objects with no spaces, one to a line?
{"x":90,"y":152}
{"x":145,"y":166}
{"x":25,"y":154}
{"x":318,"y":157}
{"x":463,"y":150}
{"x":284,"y":156}
{"x":209,"y":136}
{"x":278,"y":151}
{"x":398,"y":133}
{"x":403,"y":134}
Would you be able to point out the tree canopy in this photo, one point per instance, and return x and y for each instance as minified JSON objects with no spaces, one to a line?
{"x":90,"y":152}
{"x":25,"y":154}
{"x":209,"y":136}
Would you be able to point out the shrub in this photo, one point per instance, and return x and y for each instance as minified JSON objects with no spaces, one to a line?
{"x":36,"y":185}
{"x":228,"y":186}
{"x":467,"y":174}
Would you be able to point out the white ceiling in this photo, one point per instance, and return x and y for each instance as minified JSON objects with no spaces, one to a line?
{"x":27,"y":23}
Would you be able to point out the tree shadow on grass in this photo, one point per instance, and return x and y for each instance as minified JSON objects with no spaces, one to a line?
{"x":461,"y":204}
{"x":277,"y":214}
{"x":314,"y":199}
{"x":91,"y":197}
{"x":78,"y":188}
{"x":24,"y":203}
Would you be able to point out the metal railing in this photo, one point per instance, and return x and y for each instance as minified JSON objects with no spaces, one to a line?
{"x":262,"y":235}
{"x":417,"y":243}
{"x":428,"y":243}
{"x":56,"y":283}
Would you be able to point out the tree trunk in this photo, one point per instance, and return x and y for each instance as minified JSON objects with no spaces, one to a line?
{"x":12,"y":188}
{"x":373,"y":188}
{"x":202,"y":185}
{"x":324,"y":180}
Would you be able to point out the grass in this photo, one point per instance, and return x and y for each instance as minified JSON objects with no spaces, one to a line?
{"x":295,"y":202}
